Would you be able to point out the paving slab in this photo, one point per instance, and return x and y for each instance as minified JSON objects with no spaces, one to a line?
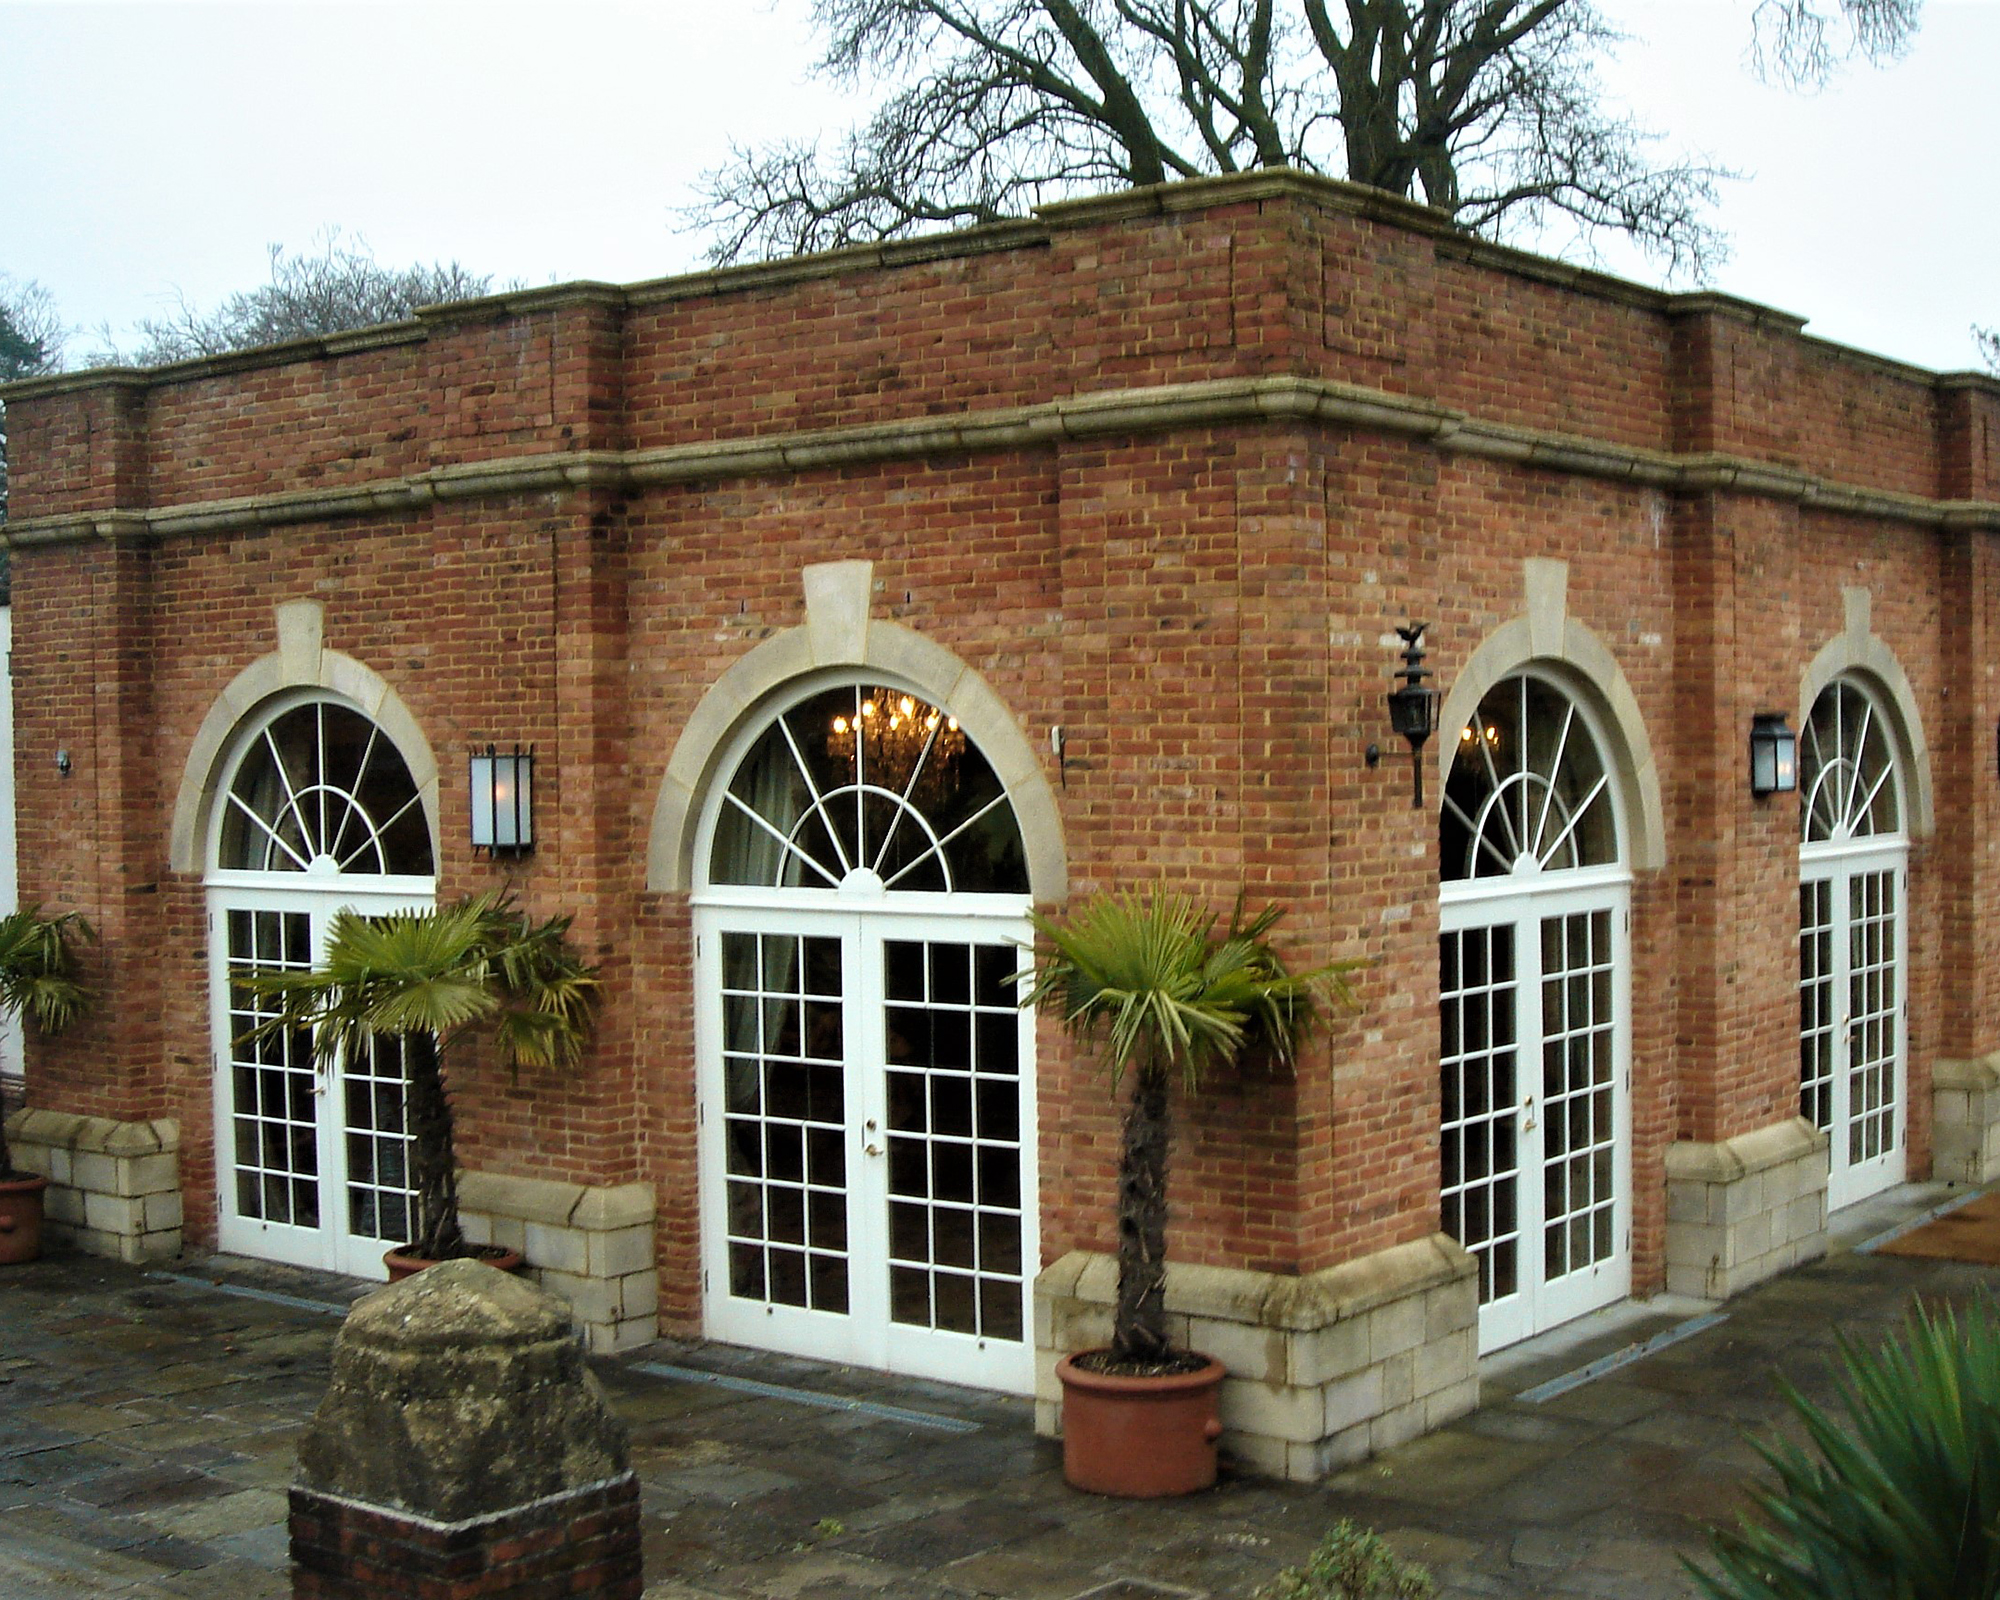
{"x":149,"y":1420}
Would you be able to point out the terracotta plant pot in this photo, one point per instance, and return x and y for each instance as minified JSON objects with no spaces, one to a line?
{"x":21,"y":1219}
{"x":402,"y":1265}
{"x":1140,"y":1438}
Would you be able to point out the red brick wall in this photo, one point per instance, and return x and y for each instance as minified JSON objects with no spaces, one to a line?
{"x":1204,"y":607}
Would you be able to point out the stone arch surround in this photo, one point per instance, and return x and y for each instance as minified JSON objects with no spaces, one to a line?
{"x":839,"y":633}
{"x":1857,"y":652}
{"x":1548,"y":637}
{"x":301,"y":661}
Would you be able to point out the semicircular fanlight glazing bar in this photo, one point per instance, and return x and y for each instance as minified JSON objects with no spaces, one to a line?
{"x":1528,"y":789}
{"x":1847,"y":770}
{"x":866,"y":777}
{"x":319,"y":789}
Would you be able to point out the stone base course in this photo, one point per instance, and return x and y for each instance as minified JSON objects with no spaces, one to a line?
{"x":1965,"y":1120}
{"x":591,"y":1245}
{"x":1745,"y":1209}
{"x":1324,"y":1370}
{"x":114,"y":1187}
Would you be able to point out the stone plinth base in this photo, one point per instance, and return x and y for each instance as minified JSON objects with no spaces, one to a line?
{"x":582,"y":1545}
{"x":114,"y":1187}
{"x":1324,"y":1370}
{"x":1745,"y":1209}
{"x":592,"y":1246}
{"x":1965,"y":1120}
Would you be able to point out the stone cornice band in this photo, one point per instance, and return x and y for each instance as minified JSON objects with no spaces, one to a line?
{"x":1221,"y":402}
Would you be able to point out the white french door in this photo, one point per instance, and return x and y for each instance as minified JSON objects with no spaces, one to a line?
{"x":311,"y":1158}
{"x":1852,"y":1015}
{"x":867,"y":1139}
{"x":1535,"y":1080}
{"x":1853,"y":886}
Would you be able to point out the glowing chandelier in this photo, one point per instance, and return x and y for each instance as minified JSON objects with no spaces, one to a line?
{"x":895,"y":737}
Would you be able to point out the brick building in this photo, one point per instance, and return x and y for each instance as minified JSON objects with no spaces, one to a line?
{"x":853,"y":605}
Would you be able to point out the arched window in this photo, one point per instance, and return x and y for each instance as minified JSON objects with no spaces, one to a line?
{"x":1527,"y":788}
{"x":867,"y":780}
{"x":867,"y":1083}
{"x":1853,"y":884}
{"x":320,"y":788}
{"x":319,"y":813}
{"x":1847,"y":770}
{"x":1533,"y":981}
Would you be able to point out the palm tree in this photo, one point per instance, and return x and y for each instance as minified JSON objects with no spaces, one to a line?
{"x":38,"y":979}
{"x":1171,"y":997}
{"x":427,"y":979}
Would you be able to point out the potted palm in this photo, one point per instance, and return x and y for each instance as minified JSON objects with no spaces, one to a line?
{"x":1167,"y":994}
{"x":431,"y":980}
{"x":37,"y":979}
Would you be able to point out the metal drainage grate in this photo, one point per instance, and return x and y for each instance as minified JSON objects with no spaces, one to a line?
{"x":809,"y":1397}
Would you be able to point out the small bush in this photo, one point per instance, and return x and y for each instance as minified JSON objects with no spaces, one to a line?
{"x":1901,"y":1504}
{"x":1351,"y":1563}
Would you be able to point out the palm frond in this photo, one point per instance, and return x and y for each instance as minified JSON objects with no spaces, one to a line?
{"x":440,"y":972}
{"x":1153,"y":976}
{"x":38,"y":966}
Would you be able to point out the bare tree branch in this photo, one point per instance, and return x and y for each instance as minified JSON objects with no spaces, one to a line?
{"x":336,"y":287}
{"x":31,"y":344}
{"x":1802,"y":43}
{"x":1489,"y":110}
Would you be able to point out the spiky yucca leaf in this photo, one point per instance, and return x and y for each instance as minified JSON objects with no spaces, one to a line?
{"x":1900,"y":1503}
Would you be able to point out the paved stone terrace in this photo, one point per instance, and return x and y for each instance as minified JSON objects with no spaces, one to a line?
{"x":148,"y":1424}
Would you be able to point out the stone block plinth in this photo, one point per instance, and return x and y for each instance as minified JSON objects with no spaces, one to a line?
{"x":1965,"y":1120}
{"x":1324,"y":1369}
{"x":1745,"y":1209}
{"x":593,"y":1245}
{"x":463,"y":1452}
{"x":114,"y":1187}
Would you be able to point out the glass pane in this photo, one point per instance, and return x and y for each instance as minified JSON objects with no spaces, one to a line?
{"x":868,"y":777}
{"x":321,"y":780}
{"x":1527,"y":784}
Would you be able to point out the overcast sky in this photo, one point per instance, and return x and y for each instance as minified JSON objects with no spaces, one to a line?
{"x":156,"y":148}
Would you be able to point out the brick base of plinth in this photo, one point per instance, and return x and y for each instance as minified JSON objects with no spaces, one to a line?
{"x":583,"y":1545}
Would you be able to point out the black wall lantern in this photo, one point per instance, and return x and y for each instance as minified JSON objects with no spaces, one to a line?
{"x":1774,"y":755}
{"x":1413,"y":706}
{"x":503,"y":801}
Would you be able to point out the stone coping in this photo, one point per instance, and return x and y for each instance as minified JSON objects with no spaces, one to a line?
{"x":485,"y":1519}
{"x":593,"y":1208}
{"x":67,"y":1130}
{"x":1731,"y":1160}
{"x":1300,"y":1304}
{"x":1038,"y":231}
{"x":1208,"y":403}
{"x":1975,"y":1075}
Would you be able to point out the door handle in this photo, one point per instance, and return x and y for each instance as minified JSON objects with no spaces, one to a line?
{"x":1528,"y":1115}
{"x":871,"y":1149}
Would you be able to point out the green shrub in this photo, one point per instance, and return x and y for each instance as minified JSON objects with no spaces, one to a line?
{"x":1902,"y":1504}
{"x":1351,"y":1563}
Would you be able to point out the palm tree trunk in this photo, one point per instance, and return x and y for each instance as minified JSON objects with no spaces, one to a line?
{"x":1139,"y":1327}
{"x":433,"y":1166}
